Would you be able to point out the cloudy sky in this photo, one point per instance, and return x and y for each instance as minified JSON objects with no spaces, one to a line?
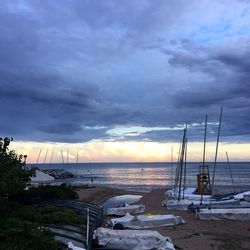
{"x":119,"y":79}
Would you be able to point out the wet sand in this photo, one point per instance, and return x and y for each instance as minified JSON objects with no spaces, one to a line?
{"x":194,"y":234}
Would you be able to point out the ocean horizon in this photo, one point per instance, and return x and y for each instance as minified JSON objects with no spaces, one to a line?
{"x":149,"y":175}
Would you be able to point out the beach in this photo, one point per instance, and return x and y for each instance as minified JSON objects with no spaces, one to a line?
{"x":194,"y":234}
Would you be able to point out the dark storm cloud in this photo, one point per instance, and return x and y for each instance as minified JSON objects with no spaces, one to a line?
{"x":225,"y":82}
{"x":72,"y":70}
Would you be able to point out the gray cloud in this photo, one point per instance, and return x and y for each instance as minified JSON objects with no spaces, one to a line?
{"x":76,"y":64}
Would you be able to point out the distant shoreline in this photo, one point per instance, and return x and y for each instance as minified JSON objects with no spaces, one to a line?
{"x":146,"y":162}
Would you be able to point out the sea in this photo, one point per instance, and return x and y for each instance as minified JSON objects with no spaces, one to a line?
{"x":150,"y":175}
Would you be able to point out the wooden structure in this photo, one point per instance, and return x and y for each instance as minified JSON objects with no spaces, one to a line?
{"x":203,"y":181}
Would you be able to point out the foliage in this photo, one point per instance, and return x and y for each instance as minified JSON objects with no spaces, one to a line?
{"x":47,"y":215}
{"x":19,"y":235}
{"x":13,"y":173}
{"x":45,"y":193}
{"x":19,"y":224}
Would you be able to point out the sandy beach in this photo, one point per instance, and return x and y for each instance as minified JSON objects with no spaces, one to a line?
{"x":194,"y":234}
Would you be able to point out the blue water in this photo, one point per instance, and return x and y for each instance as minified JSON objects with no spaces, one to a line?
{"x":150,"y":175}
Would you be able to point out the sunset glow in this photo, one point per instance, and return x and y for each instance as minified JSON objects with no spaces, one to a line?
{"x":126,"y":151}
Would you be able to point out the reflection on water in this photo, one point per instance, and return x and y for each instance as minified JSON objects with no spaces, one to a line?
{"x":149,"y":175}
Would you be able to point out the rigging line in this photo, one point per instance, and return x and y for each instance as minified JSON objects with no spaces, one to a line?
{"x":38,"y":156}
{"x":230,"y":170}
{"x":45,"y":158}
{"x":52,"y":154}
{"x":67,"y":156}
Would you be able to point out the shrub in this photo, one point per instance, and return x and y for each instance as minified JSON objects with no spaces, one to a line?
{"x":47,"y":215}
{"x":13,"y":173}
{"x":19,"y":235}
{"x":45,"y":193}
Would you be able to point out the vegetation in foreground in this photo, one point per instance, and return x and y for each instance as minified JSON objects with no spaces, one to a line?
{"x":45,"y":193}
{"x":16,"y":234}
{"x":20,"y":221}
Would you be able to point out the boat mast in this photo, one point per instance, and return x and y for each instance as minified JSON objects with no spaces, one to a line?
{"x":177,"y":172}
{"x":181,"y":161}
{"x":216,"y":154}
{"x":62,"y":156}
{"x":77,"y":159}
{"x":204,"y":146}
{"x":185,"y":167}
{"x":204,"y":152}
{"x":172,"y":168}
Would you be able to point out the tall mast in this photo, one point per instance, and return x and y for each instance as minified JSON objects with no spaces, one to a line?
{"x":172,"y":168}
{"x":204,"y":152}
{"x":216,"y":154}
{"x":52,"y":154}
{"x":181,"y":161}
{"x":185,"y":167}
{"x":77,"y":159}
{"x":62,"y":156}
{"x":204,"y":146}
{"x":177,"y":171}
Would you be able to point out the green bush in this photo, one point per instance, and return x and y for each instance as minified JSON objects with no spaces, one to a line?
{"x":13,"y":173}
{"x":45,"y":193}
{"x":4,"y":206}
{"x":47,"y":215}
{"x":19,"y":235}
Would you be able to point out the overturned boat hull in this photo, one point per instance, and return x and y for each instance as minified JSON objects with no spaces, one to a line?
{"x":132,"y":239}
{"x":146,"y":221}
{"x":121,"y":211}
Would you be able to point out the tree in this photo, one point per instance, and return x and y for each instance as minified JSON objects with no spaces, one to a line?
{"x":14,"y":174}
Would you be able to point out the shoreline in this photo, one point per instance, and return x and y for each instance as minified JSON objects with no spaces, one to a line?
{"x":194,"y":234}
{"x":218,"y":189}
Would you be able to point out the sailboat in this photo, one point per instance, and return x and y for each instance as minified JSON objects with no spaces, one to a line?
{"x":182,"y":198}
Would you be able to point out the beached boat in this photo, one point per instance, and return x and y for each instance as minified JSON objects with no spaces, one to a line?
{"x":121,"y":211}
{"x":145,"y":221}
{"x":247,"y":197}
{"x":242,"y":214}
{"x":182,"y":198}
{"x":119,"y":204}
{"x":131,"y":239}
{"x":187,"y":204}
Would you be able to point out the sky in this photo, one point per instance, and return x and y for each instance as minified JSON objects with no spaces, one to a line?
{"x":117,"y":80}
